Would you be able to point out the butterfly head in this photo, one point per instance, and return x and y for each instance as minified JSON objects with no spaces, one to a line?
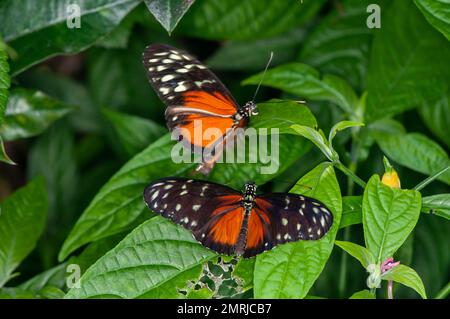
{"x":248,"y":110}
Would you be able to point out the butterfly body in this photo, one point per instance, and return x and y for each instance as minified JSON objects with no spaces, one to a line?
{"x":231,"y":222}
{"x":196,"y":100}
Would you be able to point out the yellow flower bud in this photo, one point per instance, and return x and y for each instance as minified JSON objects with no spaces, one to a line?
{"x":390,"y":177}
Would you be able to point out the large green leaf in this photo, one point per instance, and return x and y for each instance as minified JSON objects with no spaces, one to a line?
{"x":437,"y":14}
{"x":119,"y":205}
{"x":437,"y":204}
{"x":406,"y":276}
{"x":389,"y":216}
{"x":253,"y":55}
{"x":304,"y":81}
{"x":29,"y":113}
{"x":340,"y":43}
{"x":437,"y":117}
{"x":133,"y":133}
{"x":241,"y":20}
{"x":22,"y":220}
{"x":49,"y":26}
{"x":415,"y":151}
{"x":168,"y":12}
{"x":405,"y":68}
{"x":153,"y":261}
{"x":289,"y":270}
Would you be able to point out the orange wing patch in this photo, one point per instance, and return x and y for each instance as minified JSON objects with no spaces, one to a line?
{"x":204,"y":131}
{"x":214,"y":103}
{"x":256,"y":228}
{"x":228,"y":226}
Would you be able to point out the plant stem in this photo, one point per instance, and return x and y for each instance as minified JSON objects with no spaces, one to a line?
{"x":389,"y":289}
{"x":431,"y":178}
{"x":350,"y":174}
{"x":444,"y":292}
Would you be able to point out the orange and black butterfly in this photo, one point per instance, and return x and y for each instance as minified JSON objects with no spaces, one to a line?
{"x":230,"y":222}
{"x":196,"y":100}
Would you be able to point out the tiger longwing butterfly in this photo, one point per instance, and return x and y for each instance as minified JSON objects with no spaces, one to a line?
{"x":230,"y":222}
{"x":196,"y":100}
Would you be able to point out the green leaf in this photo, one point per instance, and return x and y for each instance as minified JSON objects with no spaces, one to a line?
{"x":406,"y":276}
{"x":168,"y":12}
{"x":363,"y":294}
{"x":133,"y":133}
{"x":97,"y":18}
{"x":437,"y":13}
{"x":244,"y":270}
{"x":119,"y":205}
{"x":29,"y":113}
{"x":22,"y":220}
{"x":316,"y":137}
{"x":305,"y":82}
{"x":437,"y":117}
{"x":246,"y":20}
{"x":351,"y":211}
{"x":389,"y":216}
{"x":437,"y":204}
{"x":253,"y":55}
{"x":340,"y":43}
{"x":404,"y":55}
{"x":342,"y":126}
{"x":289,"y":270}
{"x":415,"y":151}
{"x":282,"y":114}
{"x":153,"y":261}
{"x":362,"y":254}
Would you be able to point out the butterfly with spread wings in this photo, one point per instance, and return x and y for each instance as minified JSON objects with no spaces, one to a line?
{"x":196,"y":101}
{"x":230,"y":222}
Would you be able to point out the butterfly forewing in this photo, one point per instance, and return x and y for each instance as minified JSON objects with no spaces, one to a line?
{"x":211,"y":211}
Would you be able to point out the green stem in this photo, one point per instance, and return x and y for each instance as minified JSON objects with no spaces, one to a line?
{"x":350,"y":174}
{"x":428,"y":180}
{"x":444,"y":292}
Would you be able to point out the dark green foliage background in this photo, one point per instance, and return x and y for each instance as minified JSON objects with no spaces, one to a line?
{"x":87,"y":133}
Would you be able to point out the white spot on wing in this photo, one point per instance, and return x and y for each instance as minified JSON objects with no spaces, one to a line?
{"x":167,"y":77}
{"x":196,"y":207}
{"x":284,"y":221}
{"x":155,"y":194}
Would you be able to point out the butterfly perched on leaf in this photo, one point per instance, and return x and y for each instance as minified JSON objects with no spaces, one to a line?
{"x":232,"y":222}
{"x":196,"y":101}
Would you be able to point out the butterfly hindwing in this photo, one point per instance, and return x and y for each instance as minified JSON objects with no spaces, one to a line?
{"x":211,"y":211}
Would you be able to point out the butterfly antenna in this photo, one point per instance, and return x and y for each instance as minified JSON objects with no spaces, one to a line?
{"x":264,"y":74}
